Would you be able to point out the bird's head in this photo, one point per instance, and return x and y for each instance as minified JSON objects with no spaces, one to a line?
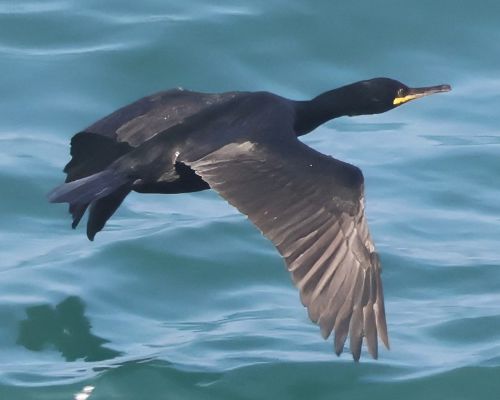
{"x":378,"y":95}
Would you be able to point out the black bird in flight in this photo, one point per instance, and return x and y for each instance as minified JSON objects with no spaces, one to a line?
{"x":244,"y":145}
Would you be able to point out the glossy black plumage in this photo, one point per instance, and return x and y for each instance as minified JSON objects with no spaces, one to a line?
{"x":244,"y":145}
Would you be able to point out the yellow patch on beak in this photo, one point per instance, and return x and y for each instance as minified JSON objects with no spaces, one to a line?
{"x":401,"y":100}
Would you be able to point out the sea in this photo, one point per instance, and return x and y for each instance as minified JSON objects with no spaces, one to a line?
{"x":180,"y":296}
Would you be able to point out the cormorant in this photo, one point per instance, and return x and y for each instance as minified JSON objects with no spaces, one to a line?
{"x":244,"y":146}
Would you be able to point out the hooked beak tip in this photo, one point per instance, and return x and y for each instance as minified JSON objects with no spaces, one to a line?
{"x":445,"y":88}
{"x":424,"y":91}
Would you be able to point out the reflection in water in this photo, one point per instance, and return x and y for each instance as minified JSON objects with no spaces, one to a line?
{"x":85,"y":393}
{"x":64,"y":327}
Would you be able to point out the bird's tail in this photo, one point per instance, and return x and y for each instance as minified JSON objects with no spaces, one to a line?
{"x":103,"y":191}
{"x":90,"y":181}
{"x":88,"y":189}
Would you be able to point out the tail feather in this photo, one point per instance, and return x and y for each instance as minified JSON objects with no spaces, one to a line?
{"x":104,"y":192}
{"x":90,"y":181}
{"x":85,"y":190}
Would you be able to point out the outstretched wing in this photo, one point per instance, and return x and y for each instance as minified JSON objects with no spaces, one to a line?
{"x":103,"y":142}
{"x":143,"y":119}
{"x":311,"y":207}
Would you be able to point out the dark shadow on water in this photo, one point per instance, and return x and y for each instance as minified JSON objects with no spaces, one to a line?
{"x":65,"y":328}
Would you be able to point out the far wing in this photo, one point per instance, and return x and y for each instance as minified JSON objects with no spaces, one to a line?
{"x":311,"y":207}
{"x":139,"y":121}
{"x":105,"y":141}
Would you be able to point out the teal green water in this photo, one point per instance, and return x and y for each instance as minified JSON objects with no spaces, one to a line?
{"x":180,"y":297}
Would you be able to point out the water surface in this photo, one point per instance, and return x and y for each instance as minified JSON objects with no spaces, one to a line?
{"x":181,"y":297}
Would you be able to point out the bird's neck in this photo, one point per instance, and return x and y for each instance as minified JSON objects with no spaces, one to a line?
{"x":329,"y":105}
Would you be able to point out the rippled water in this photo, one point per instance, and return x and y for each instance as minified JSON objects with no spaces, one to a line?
{"x":181,"y":297}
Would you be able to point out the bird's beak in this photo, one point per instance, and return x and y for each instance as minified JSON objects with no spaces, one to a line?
{"x":415,"y":93}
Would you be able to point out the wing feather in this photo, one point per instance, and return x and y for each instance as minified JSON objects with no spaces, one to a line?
{"x":312,"y":208}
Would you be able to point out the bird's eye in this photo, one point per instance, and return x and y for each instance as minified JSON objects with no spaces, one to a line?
{"x":401,"y":93}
